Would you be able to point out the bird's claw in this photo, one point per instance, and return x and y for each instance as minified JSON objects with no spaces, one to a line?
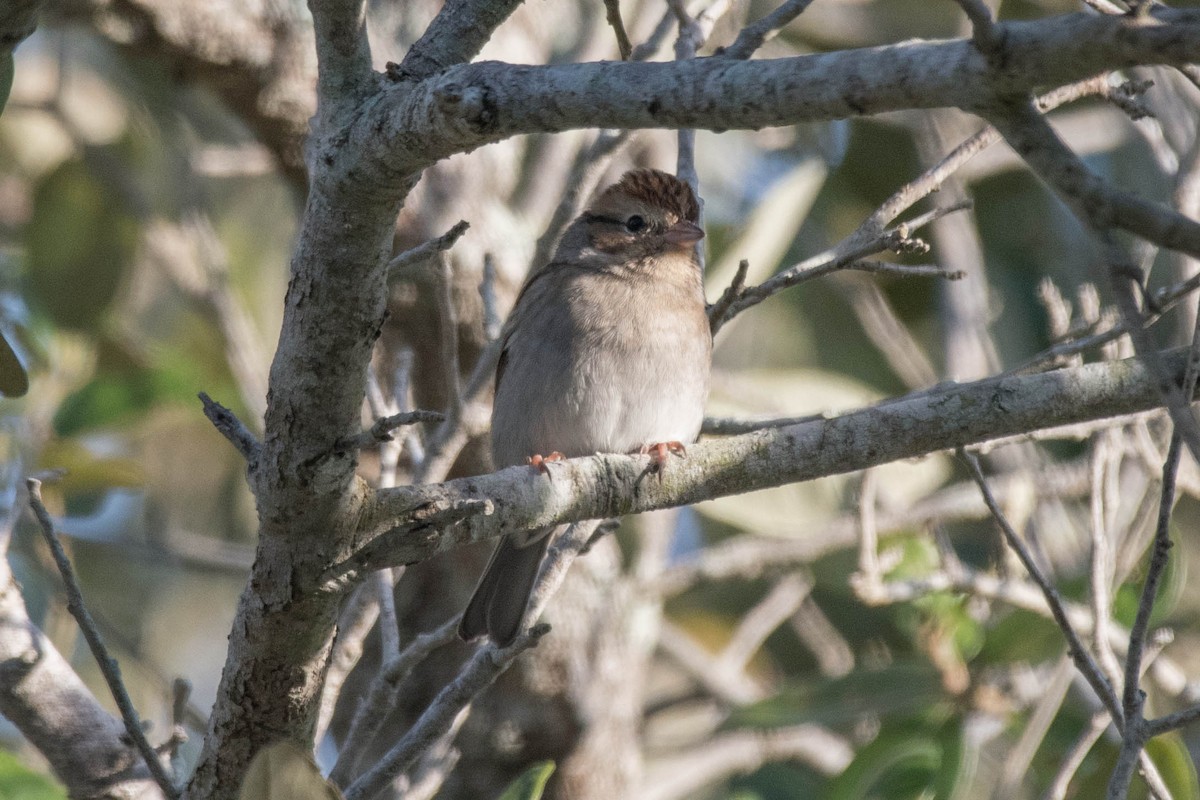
{"x":541,"y":463}
{"x":659,"y":453}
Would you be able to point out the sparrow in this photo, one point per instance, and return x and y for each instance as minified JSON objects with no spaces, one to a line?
{"x":607,"y":350}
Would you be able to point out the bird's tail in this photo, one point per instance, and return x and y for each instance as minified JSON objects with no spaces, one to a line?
{"x":498,"y":606}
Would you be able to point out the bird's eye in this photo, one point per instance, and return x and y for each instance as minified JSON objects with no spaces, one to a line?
{"x":635,"y":224}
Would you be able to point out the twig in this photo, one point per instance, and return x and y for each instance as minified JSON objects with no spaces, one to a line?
{"x":1102,"y":208}
{"x":780,"y":603}
{"x":740,"y":752}
{"x":897,"y":239}
{"x":869,"y":572}
{"x":483,"y":668}
{"x":612,"y":10}
{"x":435,"y":516}
{"x":389,"y":630}
{"x":1049,"y":701}
{"x":731,"y":687}
{"x":906,"y":270}
{"x":435,"y":764}
{"x":931,"y":179}
{"x":887,"y":332}
{"x":382,"y":430}
{"x":487,"y":294}
{"x":426,"y":251}
{"x":1108,"y":330}
{"x":229,"y":426}
{"x":108,"y":665}
{"x":380,"y":699}
{"x":1079,"y":653}
{"x":717,"y":310}
{"x":448,"y":326}
{"x":355,"y":622}
{"x":1074,"y":757}
{"x":757,"y":34}
{"x":1133,"y":699}
{"x":734,"y":426}
{"x":1101,"y":570}
{"x":181,"y":692}
{"x":983,"y":27}
{"x":821,"y":637}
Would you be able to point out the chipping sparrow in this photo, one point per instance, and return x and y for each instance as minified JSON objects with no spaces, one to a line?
{"x":607,"y":350}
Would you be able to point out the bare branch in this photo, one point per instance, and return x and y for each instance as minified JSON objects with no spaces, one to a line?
{"x":759,"y":622}
{"x":612,"y":9}
{"x":483,"y":668}
{"x":757,"y":34}
{"x":354,"y":625}
{"x":232,"y":428}
{"x":1078,"y":652}
{"x":448,"y":330}
{"x":426,"y":251}
{"x":733,"y":291}
{"x":381,"y":698}
{"x":603,"y":486}
{"x":108,"y":665}
{"x":742,"y":752}
{"x":382,"y":430}
{"x":473,"y":104}
{"x":844,"y":256}
{"x":1074,"y":757}
{"x":730,"y":687}
{"x":455,"y":36}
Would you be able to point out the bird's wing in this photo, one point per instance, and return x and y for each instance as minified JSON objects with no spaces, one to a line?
{"x":519,"y":310}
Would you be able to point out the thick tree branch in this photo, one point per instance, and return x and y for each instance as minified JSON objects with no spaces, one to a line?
{"x":343,"y":53}
{"x":470,"y":105}
{"x":612,"y":485}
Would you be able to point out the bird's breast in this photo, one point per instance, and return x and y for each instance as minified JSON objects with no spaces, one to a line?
{"x":603,"y":367}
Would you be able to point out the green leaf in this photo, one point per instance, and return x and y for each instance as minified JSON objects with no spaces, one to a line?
{"x":905,"y":761}
{"x":85,"y":471}
{"x":18,"y":781}
{"x":283,"y":771}
{"x":80,"y":242}
{"x":1170,"y":755}
{"x":902,"y":689}
{"x":531,"y":783}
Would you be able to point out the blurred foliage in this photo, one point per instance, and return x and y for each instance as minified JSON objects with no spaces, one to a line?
{"x":18,"y":782}
{"x":283,"y":771}
{"x":113,"y":332}
{"x":531,"y":784}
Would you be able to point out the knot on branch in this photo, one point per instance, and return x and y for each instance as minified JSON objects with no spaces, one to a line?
{"x":472,"y":105}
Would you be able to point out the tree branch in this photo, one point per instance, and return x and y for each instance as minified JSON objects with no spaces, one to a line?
{"x":605,"y":486}
{"x":343,"y":53}
{"x":455,"y":36}
{"x":470,"y":105}
{"x":108,"y":665}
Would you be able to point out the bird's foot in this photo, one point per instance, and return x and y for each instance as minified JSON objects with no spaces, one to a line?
{"x":659,"y":453}
{"x":541,"y":463}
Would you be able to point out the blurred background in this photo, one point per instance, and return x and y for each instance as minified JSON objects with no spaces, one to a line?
{"x":149,"y":196}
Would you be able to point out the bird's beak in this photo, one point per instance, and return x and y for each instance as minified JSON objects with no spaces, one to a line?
{"x":683,"y":234}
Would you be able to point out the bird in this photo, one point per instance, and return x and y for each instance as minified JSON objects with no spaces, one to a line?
{"x":606,"y":350}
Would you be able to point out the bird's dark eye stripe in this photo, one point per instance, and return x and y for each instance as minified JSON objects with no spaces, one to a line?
{"x":602,"y":218}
